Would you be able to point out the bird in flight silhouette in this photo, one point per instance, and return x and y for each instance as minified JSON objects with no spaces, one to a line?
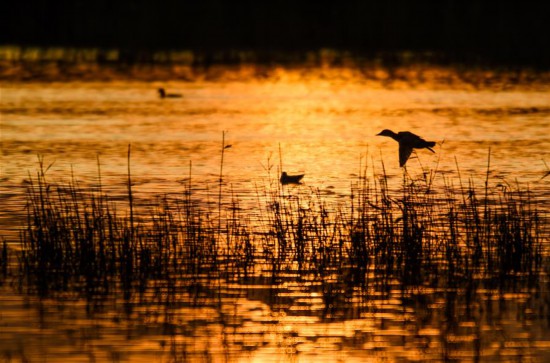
{"x":407,"y":142}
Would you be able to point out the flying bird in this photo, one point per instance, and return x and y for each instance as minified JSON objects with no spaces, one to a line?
{"x":290,"y":179}
{"x":163,"y":94}
{"x":407,"y":142}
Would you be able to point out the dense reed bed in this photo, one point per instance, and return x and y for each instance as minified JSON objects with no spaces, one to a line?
{"x":430,"y":231}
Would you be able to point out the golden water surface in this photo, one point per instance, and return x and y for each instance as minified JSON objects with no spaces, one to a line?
{"x":321,"y":126}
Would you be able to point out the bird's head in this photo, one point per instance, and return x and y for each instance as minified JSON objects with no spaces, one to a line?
{"x":386,"y":132}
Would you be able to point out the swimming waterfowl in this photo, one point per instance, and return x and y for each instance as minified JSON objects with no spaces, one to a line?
{"x":163,"y":94}
{"x":407,"y":142}
{"x":290,"y":179}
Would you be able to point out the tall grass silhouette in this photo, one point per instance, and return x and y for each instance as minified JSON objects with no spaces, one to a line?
{"x":417,"y":233}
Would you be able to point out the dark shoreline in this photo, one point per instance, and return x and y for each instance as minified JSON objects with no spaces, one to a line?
{"x":54,"y":64}
{"x":511,"y":33}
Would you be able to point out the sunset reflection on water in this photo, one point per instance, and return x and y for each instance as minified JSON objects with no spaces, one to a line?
{"x":294,"y":121}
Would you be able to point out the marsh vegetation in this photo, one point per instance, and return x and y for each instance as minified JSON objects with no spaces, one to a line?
{"x":430,"y":239}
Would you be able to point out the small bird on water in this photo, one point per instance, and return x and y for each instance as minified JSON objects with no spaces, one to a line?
{"x":407,"y":142}
{"x":290,"y":179}
{"x":163,"y":94}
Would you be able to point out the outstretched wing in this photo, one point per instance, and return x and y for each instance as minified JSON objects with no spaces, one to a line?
{"x":404,"y":153}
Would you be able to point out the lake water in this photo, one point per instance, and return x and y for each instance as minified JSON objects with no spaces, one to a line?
{"x":322,"y":126}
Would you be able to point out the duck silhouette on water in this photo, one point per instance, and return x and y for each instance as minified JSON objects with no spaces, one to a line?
{"x":163,"y":94}
{"x":291,"y":179}
{"x":407,"y":142}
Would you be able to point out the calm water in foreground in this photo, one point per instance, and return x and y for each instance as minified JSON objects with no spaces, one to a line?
{"x":323,"y":127}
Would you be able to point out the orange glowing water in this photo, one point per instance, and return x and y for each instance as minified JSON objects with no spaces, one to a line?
{"x":324,"y":128}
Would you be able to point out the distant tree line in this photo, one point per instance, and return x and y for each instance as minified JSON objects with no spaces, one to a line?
{"x":510,"y":32}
